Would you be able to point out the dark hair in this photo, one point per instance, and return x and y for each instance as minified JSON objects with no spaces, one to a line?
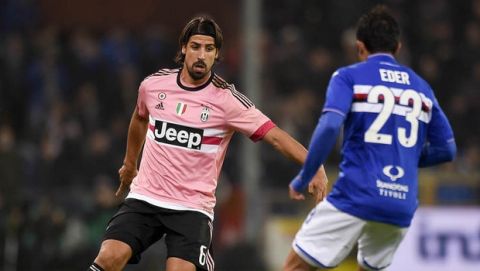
{"x":378,"y":30}
{"x":201,"y":25}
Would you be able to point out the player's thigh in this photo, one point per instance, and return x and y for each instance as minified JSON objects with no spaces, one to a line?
{"x":378,"y":244}
{"x":189,"y":237}
{"x":136,"y":225}
{"x":327,"y":236}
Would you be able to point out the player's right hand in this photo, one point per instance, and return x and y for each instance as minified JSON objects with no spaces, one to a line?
{"x":126,"y":173}
{"x":318,"y":186}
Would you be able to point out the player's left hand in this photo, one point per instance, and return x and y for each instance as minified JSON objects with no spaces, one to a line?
{"x":318,"y":186}
{"x":294,"y":194}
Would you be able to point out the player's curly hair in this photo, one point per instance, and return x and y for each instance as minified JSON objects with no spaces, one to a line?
{"x":201,"y":25}
{"x":378,"y":30}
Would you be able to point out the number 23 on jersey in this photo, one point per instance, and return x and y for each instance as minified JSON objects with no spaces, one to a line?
{"x":409,"y":105}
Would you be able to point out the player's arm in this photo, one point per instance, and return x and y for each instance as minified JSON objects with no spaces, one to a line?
{"x":323,"y":140}
{"x":286,"y":145}
{"x":440,"y":147}
{"x":135,"y":139}
{"x":337,"y":104}
{"x":434,"y":155}
{"x":292,"y":149}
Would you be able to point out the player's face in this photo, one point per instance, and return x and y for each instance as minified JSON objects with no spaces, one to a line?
{"x":200,"y":54}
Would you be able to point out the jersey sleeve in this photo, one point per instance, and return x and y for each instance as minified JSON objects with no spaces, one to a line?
{"x":141,"y":105}
{"x":244,"y":117}
{"x":339,"y":93}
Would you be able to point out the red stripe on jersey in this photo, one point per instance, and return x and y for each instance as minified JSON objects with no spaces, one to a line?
{"x":151,"y":127}
{"x":262,"y":131}
{"x":362,"y":97}
{"x":211,"y":140}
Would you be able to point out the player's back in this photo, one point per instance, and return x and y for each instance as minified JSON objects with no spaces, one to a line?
{"x":384,"y":131}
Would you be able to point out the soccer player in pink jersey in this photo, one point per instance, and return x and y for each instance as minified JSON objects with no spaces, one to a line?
{"x":184,"y":119}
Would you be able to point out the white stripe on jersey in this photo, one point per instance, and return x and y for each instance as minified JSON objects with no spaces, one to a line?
{"x":397,"y":110}
{"x":365,"y":89}
{"x":206,"y":132}
{"x":214,"y":132}
{"x":209,"y":148}
{"x":205,"y":148}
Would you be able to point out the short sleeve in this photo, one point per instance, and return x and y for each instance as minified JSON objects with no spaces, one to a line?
{"x":244,"y":117}
{"x":141,"y":105}
{"x":339,"y":93}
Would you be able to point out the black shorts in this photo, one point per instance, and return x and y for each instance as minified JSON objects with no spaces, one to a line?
{"x":188,"y":234}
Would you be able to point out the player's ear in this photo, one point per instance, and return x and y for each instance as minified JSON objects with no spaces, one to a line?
{"x":184,"y":49}
{"x":399,"y":46}
{"x":362,"y":51}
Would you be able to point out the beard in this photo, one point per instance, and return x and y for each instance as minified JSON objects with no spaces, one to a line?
{"x":198,"y":70}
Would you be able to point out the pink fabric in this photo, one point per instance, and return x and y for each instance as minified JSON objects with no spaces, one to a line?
{"x":184,"y":152}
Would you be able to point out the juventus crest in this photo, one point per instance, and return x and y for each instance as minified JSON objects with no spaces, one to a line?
{"x":204,"y":114}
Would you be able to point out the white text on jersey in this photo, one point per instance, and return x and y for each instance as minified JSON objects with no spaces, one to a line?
{"x":394,"y":76}
{"x":178,"y":135}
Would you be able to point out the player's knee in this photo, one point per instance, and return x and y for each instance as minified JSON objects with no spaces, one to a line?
{"x":113,"y":255}
{"x":295,"y":263}
{"x":177,"y":264}
{"x":110,"y":261}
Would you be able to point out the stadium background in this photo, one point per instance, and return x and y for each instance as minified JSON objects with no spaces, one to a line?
{"x":69,"y":72}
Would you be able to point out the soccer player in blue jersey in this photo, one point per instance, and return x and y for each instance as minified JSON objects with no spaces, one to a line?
{"x":392,"y":126}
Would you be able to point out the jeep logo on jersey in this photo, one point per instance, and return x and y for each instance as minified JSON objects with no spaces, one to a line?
{"x":178,"y":135}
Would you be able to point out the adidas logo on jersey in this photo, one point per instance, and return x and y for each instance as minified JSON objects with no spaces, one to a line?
{"x":159,"y":106}
{"x":178,"y":135}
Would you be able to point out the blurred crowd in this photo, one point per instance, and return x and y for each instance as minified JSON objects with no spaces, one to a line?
{"x":66,"y":96}
{"x":304,"y":44}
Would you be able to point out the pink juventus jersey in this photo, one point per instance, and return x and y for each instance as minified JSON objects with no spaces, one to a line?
{"x":188,"y":134}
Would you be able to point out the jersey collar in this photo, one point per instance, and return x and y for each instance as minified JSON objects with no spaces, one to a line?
{"x":197,"y":88}
{"x":384,"y":57}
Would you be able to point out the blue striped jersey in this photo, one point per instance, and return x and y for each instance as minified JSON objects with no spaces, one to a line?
{"x":391,"y":112}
